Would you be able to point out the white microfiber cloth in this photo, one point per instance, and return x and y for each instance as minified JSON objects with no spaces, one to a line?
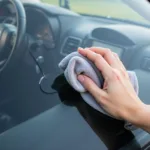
{"x":75,"y":64}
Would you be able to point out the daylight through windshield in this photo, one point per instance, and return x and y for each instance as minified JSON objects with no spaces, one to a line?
{"x":106,"y":8}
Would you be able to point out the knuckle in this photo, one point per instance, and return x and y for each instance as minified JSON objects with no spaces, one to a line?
{"x":97,"y":58}
{"x":122,"y":114}
{"x":116,"y":55}
{"x":116,"y":74}
{"x":124,"y":73}
{"x":101,"y":99}
{"x":87,"y":55}
{"x":86,"y":82}
{"x":108,"y":51}
{"x":99,"y":95}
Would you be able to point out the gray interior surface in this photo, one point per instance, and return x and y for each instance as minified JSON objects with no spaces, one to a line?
{"x":59,"y":128}
{"x":144,"y":85}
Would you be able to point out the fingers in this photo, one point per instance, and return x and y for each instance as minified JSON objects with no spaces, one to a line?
{"x":99,"y":62}
{"x":101,"y":51}
{"x":106,"y":53}
{"x":111,"y":59}
{"x":92,"y":88}
{"x":119,"y":62}
{"x":121,"y":66}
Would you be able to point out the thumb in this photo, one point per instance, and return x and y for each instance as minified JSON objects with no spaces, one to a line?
{"x":91,"y":87}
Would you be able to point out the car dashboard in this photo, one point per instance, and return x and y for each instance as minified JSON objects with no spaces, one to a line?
{"x":53,"y":33}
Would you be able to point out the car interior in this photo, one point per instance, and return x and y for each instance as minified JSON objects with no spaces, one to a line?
{"x":39,"y":110}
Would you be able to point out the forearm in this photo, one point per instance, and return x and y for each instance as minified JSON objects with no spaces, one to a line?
{"x":142,"y":118}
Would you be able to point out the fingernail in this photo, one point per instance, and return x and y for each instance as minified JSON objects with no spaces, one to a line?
{"x":80,"y":48}
{"x":81,"y":78}
{"x":112,"y":55}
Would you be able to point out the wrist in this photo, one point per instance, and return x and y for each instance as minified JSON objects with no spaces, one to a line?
{"x":140,"y":117}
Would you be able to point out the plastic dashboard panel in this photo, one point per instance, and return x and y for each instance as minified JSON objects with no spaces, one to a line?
{"x":60,"y":128}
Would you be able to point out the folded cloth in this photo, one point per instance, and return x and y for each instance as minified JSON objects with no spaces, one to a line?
{"x":75,"y":64}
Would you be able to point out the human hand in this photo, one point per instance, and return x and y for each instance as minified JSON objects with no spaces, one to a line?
{"x":117,"y":97}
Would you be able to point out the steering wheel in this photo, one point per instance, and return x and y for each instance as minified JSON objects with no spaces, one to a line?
{"x":11,"y":36}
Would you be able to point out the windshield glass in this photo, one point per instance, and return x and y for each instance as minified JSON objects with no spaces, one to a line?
{"x":107,"y":8}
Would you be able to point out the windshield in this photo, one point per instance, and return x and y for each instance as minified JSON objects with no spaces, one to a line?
{"x":106,"y":8}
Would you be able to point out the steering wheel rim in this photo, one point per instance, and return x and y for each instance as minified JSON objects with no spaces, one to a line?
{"x":19,"y":35}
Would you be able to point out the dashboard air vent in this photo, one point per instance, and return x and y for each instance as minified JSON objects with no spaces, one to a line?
{"x":71,"y":44}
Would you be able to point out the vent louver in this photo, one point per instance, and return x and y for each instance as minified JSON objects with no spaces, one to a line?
{"x":71,"y":44}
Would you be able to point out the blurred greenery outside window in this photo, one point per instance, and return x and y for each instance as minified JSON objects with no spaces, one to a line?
{"x":106,"y":8}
